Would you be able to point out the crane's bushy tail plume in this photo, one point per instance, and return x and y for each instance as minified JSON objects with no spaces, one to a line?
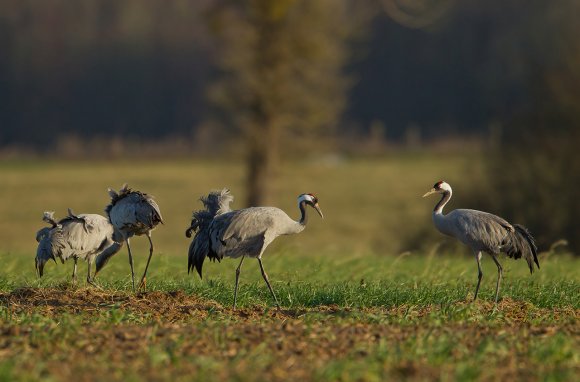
{"x":520,"y":243}
{"x":215,"y":203}
{"x":116,"y":196}
{"x":48,"y":216}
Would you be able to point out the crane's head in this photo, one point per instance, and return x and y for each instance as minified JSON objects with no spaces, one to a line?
{"x":440,"y":187}
{"x":44,"y":253}
{"x":312,"y":201}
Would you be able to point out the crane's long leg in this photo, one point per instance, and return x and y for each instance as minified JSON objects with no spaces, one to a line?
{"x":131,"y":263}
{"x":89,"y":278}
{"x":238,"y":271}
{"x":499,"y":276}
{"x":479,"y":273}
{"x":74,"y":275}
{"x":265,"y":276}
{"x":143,"y":283}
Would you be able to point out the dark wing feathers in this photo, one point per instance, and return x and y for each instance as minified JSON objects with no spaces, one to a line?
{"x":215,"y":203}
{"x":520,"y":243}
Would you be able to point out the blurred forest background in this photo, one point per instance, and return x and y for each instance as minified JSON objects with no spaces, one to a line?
{"x":270,"y":81}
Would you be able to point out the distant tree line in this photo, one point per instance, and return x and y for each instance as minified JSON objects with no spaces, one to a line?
{"x":144,"y":70}
{"x":217,"y":73}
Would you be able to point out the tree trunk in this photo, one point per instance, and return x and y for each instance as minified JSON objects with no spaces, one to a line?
{"x":262,"y":161}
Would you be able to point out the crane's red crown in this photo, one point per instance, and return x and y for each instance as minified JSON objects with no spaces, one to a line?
{"x":438,"y":185}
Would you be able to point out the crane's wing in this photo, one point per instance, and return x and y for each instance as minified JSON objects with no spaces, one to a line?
{"x":215,"y":203}
{"x":147,"y":211}
{"x":84,"y":233}
{"x":130,"y":207}
{"x":199,"y":246}
{"x":481,"y":230}
{"x":62,"y":241}
{"x":135,"y":210}
{"x":493,"y":234}
{"x":238,"y":233}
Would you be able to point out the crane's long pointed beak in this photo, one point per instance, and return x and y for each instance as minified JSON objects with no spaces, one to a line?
{"x":431,"y":191}
{"x":317,"y":208}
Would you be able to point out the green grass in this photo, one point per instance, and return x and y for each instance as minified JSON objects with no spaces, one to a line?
{"x":370,"y":293}
{"x":355,"y":282}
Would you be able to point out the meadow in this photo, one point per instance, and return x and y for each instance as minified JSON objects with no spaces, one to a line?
{"x":372,"y":292}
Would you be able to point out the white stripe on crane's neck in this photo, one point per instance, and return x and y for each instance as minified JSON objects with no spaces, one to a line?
{"x":305,"y":198}
{"x":302,"y":200}
{"x":444,"y":200}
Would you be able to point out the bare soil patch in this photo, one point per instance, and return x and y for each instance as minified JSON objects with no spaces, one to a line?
{"x":178,"y":306}
{"x":185,"y":337}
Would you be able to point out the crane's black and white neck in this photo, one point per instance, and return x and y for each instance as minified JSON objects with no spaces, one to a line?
{"x":445,"y":190}
{"x":443,"y":224}
{"x":303,"y":201}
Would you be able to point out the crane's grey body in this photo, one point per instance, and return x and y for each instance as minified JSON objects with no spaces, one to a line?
{"x":132,"y":213}
{"x":83,"y":236}
{"x":484,"y":232}
{"x":248,"y":232}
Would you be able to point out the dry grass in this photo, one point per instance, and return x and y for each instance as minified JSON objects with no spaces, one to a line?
{"x":369,"y":206}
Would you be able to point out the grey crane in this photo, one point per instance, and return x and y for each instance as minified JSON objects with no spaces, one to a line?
{"x":245,"y":232}
{"x":132,"y":213}
{"x":484,"y":232}
{"x":83,"y":236}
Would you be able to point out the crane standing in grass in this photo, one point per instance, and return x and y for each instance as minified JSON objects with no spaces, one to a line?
{"x":484,"y":232}
{"x":246,"y":232}
{"x":132,"y":213}
{"x":76,"y":236}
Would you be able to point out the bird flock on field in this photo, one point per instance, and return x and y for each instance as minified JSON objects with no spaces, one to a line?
{"x":218,"y":232}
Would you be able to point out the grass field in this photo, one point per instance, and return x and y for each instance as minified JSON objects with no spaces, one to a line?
{"x":367,"y":294}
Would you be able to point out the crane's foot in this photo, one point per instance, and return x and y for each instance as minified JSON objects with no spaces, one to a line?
{"x":94,"y":284}
{"x":143,"y":285}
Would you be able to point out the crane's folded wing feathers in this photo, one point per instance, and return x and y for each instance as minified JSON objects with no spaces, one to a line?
{"x":483,"y":231}
{"x":216,"y":203}
{"x":239,"y":233}
{"x":480,"y":230}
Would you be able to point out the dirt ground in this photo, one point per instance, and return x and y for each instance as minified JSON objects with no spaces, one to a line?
{"x":177,"y":306}
{"x":175,"y":336}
